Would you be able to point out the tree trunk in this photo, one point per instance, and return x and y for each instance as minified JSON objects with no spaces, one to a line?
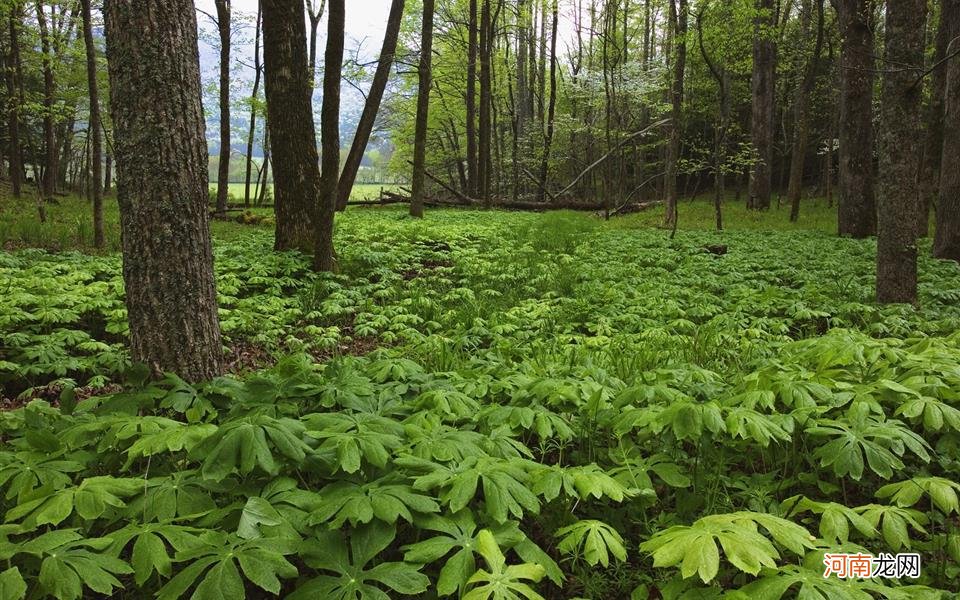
{"x":552,"y":108}
{"x":223,"y":170}
{"x":314,"y":13}
{"x":801,"y":129}
{"x":485,"y":132}
{"x":946,"y":243}
{"x":13,"y":108}
{"x":372,"y":106}
{"x":296,"y":172}
{"x":857,"y":213}
{"x":161,"y":154}
{"x":96,"y":189}
{"x":928,"y":187}
{"x":107,"y":174}
{"x":472,"y":165}
{"x":423,"y":111}
{"x":678,"y":24}
{"x":762,"y":119}
{"x":49,"y":99}
{"x":252,"y":132}
{"x":899,"y":145}
{"x":324,"y":257}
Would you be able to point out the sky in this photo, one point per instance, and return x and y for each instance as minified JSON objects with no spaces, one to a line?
{"x":366,"y":22}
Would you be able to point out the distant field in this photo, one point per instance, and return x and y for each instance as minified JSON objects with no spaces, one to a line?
{"x":361,"y":191}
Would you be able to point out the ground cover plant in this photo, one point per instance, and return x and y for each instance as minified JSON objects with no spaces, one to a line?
{"x":488,"y":405}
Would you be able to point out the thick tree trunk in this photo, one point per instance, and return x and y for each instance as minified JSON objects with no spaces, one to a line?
{"x":762,"y":120}
{"x":296,"y":172}
{"x":49,"y":99}
{"x":161,"y":155}
{"x":96,"y":157}
{"x":485,"y":133}
{"x":372,"y":106}
{"x":223,"y":170}
{"x":946,"y":243}
{"x":324,"y":257}
{"x":928,"y":187}
{"x":801,"y":129}
{"x":472,"y":165}
{"x":678,"y":24}
{"x":552,"y":107}
{"x":857,"y":213}
{"x":423,"y":111}
{"x":254,"y":94}
{"x":13,"y":108}
{"x":899,"y":144}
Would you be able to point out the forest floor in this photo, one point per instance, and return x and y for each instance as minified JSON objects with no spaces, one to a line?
{"x":593,"y":402}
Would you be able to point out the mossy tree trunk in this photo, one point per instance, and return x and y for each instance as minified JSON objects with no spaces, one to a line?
{"x":899,"y":145}
{"x":857,"y":210}
{"x":946,"y":242}
{"x":423,"y":111}
{"x":293,"y":143}
{"x":324,"y":257}
{"x":161,"y":154}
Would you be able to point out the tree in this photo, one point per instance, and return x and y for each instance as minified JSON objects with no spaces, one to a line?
{"x":471,"y":101}
{"x":49,"y":100}
{"x":552,"y":108}
{"x":372,"y":105}
{"x":254,"y":103}
{"x":324,"y":256}
{"x":485,"y":133}
{"x":946,"y":242}
{"x":899,"y":147}
{"x":315,"y":10}
{"x":11,"y":75}
{"x":928,"y":188}
{"x":678,"y":23}
{"x":96,"y":145}
{"x":223,"y":171}
{"x":423,"y":111}
{"x":293,"y":146}
{"x":161,"y":153}
{"x":798,"y":152}
{"x":762,"y":93}
{"x":856,"y":213}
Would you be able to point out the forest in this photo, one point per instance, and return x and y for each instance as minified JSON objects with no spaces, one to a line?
{"x":480,"y":299}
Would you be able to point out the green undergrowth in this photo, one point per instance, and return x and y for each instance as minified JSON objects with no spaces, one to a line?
{"x":489,"y":405}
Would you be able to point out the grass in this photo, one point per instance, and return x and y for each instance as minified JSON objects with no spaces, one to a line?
{"x":361,"y":191}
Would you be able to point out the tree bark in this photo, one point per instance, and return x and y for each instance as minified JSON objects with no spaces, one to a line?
{"x":857,"y":212}
{"x":552,"y":107}
{"x":13,"y":109}
{"x":928,"y":188}
{"x":678,"y":24}
{"x":423,"y":111}
{"x":257,"y":76}
{"x":161,"y":155}
{"x":296,"y":172}
{"x":49,"y":99}
{"x":946,"y":242}
{"x":372,"y":105}
{"x":96,"y":156}
{"x":485,"y":133}
{"x":762,"y":119}
{"x":223,"y":170}
{"x":472,"y":164}
{"x":798,"y":153}
{"x":324,"y":257}
{"x":314,"y":13}
{"x":899,"y":145}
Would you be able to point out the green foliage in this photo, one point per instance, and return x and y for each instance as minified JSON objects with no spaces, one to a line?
{"x":487,"y":405}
